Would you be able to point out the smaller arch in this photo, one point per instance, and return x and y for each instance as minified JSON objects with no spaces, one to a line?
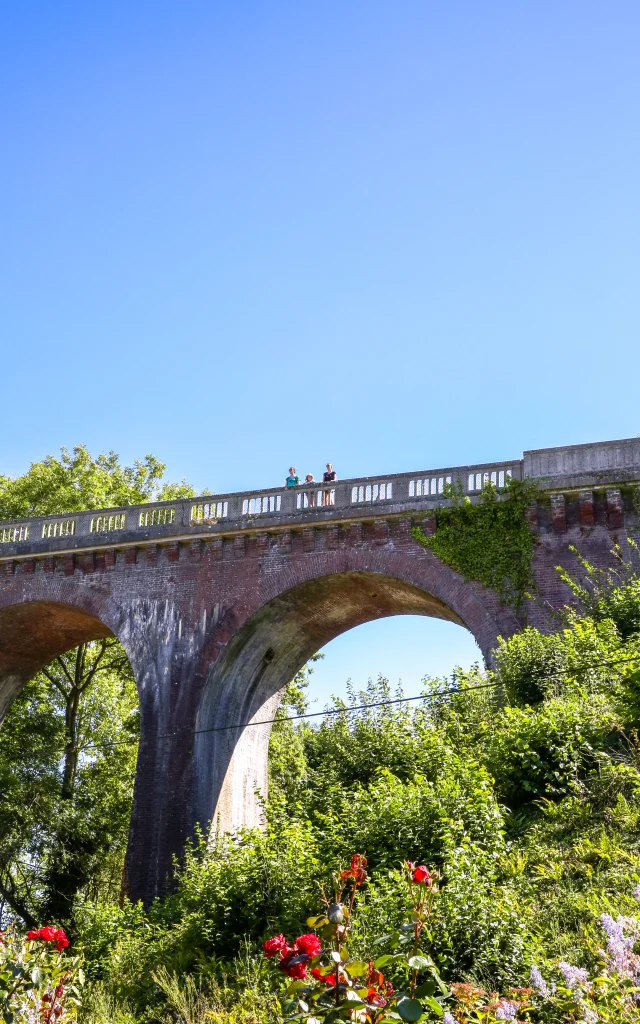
{"x":32,"y":633}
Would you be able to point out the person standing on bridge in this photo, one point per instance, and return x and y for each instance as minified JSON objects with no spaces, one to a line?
{"x":329,"y":477}
{"x":292,"y":480}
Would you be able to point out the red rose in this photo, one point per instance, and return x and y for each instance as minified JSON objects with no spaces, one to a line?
{"x":326,"y":979}
{"x":297,"y":970}
{"x":375,"y":998}
{"x":49,"y":934}
{"x":61,"y":940}
{"x":421,"y":875}
{"x":308,"y":943}
{"x":274,"y":945}
{"x":287,"y":954}
{"x":357,"y":869}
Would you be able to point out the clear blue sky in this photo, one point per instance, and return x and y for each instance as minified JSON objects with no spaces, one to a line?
{"x":392,"y":235}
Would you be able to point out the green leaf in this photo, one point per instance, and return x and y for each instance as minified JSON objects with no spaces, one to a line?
{"x":357,"y":968}
{"x":426,"y":989}
{"x":419,"y":963}
{"x":382,"y":961}
{"x":294,"y":985}
{"x":317,"y":922}
{"x":435,"y":1006}
{"x":351,"y":996}
{"x":409,"y":1009}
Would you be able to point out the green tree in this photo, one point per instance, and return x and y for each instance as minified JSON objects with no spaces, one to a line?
{"x":78,"y":481}
{"x":67,"y":758}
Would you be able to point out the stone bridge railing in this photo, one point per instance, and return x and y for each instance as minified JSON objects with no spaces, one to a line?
{"x":557,"y":469}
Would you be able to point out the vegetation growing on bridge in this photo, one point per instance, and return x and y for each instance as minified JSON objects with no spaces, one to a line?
{"x":489,"y":540}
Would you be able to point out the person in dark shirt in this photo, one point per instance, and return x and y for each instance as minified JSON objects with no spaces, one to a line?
{"x":328,"y":477}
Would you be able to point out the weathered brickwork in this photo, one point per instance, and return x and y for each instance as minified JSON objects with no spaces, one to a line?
{"x":215,"y":625}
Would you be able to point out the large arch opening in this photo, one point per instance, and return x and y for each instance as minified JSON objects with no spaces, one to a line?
{"x":70,"y":733}
{"x":402,"y":649}
{"x":248,"y":679}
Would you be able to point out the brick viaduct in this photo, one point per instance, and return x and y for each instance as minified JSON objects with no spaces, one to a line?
{"x":219,"y":600}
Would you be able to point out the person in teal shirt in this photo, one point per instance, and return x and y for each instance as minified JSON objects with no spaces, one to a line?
{"x":292,"y":480}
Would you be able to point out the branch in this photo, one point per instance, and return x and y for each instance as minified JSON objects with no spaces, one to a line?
{"x":17,"y":905}
{"x":56,"y":682}
{"x":64,"y":669}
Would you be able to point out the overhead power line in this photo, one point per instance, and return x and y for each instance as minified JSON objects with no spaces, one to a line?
{"x":363,"y":707}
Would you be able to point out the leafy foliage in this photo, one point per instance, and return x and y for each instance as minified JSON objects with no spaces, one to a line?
{"x":67,"y":765}
{"x":78,"y":481}
{"x":489,"y":540}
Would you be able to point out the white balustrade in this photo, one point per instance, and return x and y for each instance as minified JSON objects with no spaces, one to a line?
{"x":61,"y":528}
{"x":102,"y":524}
{"x":261,"y":504}
{"x":316,"y":498}
{"x":157,"y":516}
{"x":497,"y":477}
{"x":12,"y":534}
{"x":428,"y":486}
{"x":209,"y":511}
{"x":371,"y":492}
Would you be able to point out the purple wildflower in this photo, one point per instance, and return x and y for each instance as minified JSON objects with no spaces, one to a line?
{"x":622,"y":933}
{"x":448,"y":1018}
{"x":573,"y":975}
{"x":538,"y":983}
{"x":506,"y":1010}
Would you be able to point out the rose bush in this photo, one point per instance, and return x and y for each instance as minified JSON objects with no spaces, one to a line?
{"x":38,"y":983}
{"x":325,"y":983}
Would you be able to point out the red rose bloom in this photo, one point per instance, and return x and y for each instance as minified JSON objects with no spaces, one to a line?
{"x":297,"y":970}
{"x":421,"y":875}
{"x":308,"y":943}
{"x":326,"y":979}
{"x":357,"y":869}
{"x":49,"y":934}
{"x":274,"y":945}
{"x":287,"y":954}
{"x":374,"y":997}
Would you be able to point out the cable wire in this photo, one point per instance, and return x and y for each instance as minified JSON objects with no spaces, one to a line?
{"x":362,"y":707}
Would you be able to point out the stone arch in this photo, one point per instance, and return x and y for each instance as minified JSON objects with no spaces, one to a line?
{"x":246,"y":682}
